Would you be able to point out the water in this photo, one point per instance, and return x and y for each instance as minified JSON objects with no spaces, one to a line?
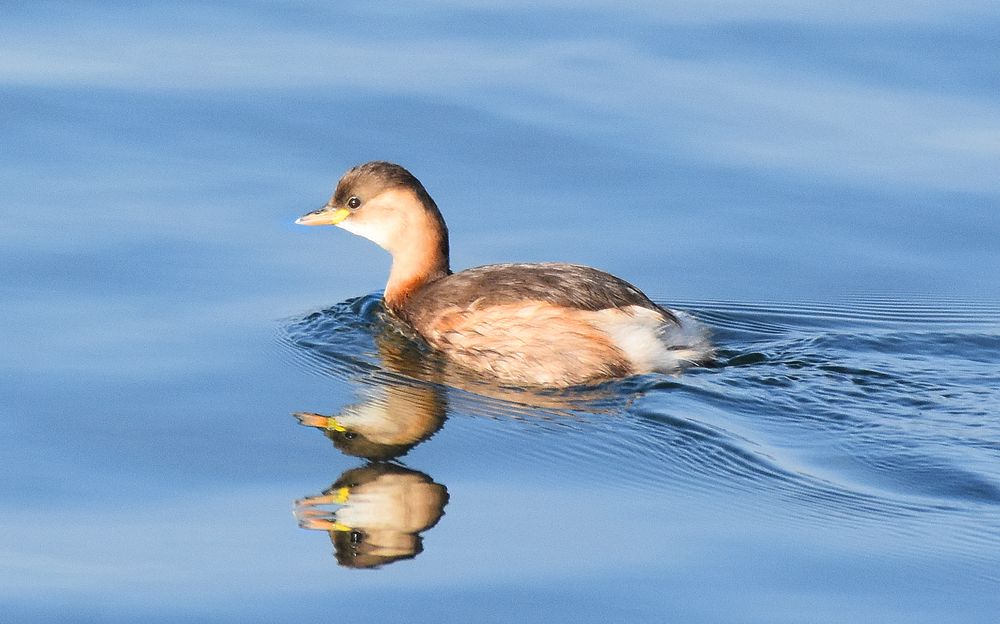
{"x":818,"y":187}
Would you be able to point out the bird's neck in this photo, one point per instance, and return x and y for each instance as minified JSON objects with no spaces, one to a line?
{"x":421,"y":261}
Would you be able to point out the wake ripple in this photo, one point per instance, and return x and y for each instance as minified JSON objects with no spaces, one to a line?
{"x":868,"y":410}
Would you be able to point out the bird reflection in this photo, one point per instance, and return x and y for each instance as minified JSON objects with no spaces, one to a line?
{"x":381,"y":510}
{"x":375,"y":514}
{"x":393,"y":419}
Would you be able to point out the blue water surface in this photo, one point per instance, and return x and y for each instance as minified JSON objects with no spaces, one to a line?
{"x":817,"y":184}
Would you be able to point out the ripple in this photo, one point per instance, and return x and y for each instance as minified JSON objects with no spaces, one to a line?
{"x":869,"y":410}
{"x":867,"y":310}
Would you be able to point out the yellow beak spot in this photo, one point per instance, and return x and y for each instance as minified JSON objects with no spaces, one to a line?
{"x":324,"y":216}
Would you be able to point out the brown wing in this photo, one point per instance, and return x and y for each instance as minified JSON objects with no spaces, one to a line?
{"x":567,"y":285}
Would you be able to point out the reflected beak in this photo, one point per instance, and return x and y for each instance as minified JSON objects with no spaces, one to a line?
{"x":318,"y":420}
{"x":324,"y":525}
{"x":327,"y":215}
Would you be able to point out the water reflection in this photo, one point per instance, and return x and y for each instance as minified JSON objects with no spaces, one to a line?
{"x":375,"y":513}
{"x":381,"y":510}
{"x":382,"y":507}
{"x":392,"y":420}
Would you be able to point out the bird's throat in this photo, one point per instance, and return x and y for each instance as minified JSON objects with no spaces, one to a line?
{"x":410,"y":273}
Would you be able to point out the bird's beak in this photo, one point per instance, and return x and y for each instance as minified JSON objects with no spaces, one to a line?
{"x":327,"y":215}
{"x":310,"y":419}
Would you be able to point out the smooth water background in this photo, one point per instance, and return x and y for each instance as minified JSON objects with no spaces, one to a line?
{"x":818,"y":184}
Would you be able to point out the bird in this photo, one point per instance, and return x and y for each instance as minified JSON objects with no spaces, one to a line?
{"x":383,"y":508}
{"x":527,"y":325}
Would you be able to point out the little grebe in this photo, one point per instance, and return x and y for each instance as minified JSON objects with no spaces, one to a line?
{"x":544,"y":324}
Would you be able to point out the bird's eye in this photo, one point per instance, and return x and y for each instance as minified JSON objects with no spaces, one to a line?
{"x":350,"y":435}
{"x":353,"y":203}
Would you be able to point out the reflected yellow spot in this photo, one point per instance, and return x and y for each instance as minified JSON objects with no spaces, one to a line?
{"x":333,"y":425}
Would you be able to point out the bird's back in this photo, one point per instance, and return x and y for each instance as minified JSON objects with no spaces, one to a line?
{"x":569,"y":286}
